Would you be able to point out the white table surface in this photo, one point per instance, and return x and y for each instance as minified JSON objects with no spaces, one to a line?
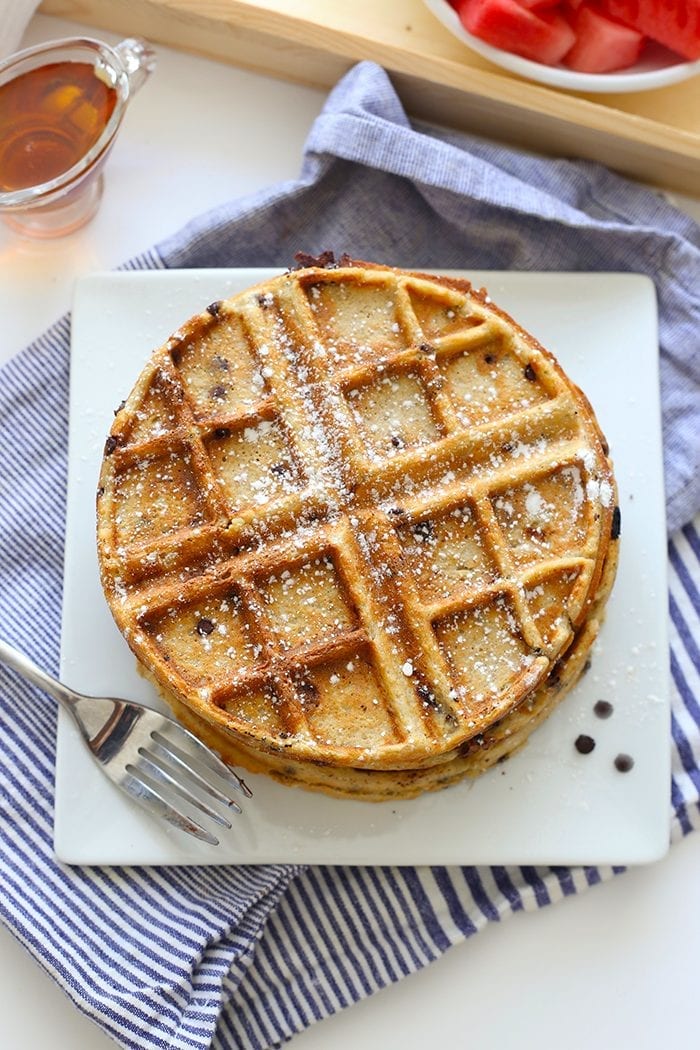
{"x":616,"y":967}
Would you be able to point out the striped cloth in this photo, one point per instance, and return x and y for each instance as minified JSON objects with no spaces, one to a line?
{"x":242,"y":958}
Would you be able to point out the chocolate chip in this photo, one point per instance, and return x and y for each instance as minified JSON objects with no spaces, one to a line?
{"x":214,"y":308}
{"x":307,"y":687}
{"x":222,"y":432}
{"x":603,"y":708}
{"x":478,"y":740}
{"x":423,"y":530}
{"x":616,"y":524}
{"x":508,"y":446}
{"x":264,"y":300}
{"x":398,"y":512}
{"x":205,"y":626}
{"x":218,"y":392}
{"x":554,"y":676}
{"x":584,"y":744}
{"x":221,"y":362}
{"x":426,"y":348}
{"x":396,"y":441}
{"x":529,"y":373}
{"x":427,"y":696}
{"x":606,"y":446}
{"x":489,"y":359}
{"x":279,"y":469}
{"x":110,"y":445}
{"x":101,"y":491}
{"x":325,"y":260}
{"x":623,"y":763}
{"x":119,"y":407}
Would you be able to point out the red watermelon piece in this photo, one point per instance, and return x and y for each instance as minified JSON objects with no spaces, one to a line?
{"x":602,"y":45}
{"x":539,"y":5}
{"x":674,"y":23}
{"x":542,"y":35}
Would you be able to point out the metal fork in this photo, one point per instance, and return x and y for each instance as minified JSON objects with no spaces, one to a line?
{"x":151,"y":757}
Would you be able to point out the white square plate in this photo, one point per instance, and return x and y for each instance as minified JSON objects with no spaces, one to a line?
{"x":546,"y":805}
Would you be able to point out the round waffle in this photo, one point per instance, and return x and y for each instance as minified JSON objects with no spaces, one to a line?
{"x":359,"y":528}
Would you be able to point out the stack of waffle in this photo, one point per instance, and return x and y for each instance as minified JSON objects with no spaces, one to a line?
{"x":359,"y":528}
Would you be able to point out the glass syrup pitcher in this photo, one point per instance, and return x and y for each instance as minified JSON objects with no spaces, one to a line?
{"x":61,"y":106}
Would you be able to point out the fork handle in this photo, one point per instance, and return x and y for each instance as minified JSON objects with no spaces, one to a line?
{"x":27,"y":669}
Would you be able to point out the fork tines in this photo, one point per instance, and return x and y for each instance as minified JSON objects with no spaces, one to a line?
{"x":166,"y":773}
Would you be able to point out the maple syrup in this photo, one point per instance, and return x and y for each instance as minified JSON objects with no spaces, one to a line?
{"x":50,"y":117}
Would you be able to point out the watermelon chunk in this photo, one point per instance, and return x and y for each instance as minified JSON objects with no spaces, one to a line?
{"x":538,"y":5}
{"x":543,"y":36}
{"x":602,"y":45}
{"x":674,"y":23}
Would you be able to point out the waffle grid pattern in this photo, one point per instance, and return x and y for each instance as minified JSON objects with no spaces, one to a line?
{"x":353,"y":515}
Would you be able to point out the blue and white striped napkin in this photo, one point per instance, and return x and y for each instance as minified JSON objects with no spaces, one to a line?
{"x":241,"y":958}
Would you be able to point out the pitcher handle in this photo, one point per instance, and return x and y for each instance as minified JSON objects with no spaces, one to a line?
{"x":138,"y":60}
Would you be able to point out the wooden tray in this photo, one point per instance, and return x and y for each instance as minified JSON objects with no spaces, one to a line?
{"x":653,"y":136}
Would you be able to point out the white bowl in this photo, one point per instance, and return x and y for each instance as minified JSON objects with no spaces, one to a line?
{"x":658,"y":68}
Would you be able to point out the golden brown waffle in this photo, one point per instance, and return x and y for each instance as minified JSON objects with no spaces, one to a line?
{"x":357,"y":525}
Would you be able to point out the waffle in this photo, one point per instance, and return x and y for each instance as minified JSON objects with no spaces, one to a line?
{"x":359,"y":528}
